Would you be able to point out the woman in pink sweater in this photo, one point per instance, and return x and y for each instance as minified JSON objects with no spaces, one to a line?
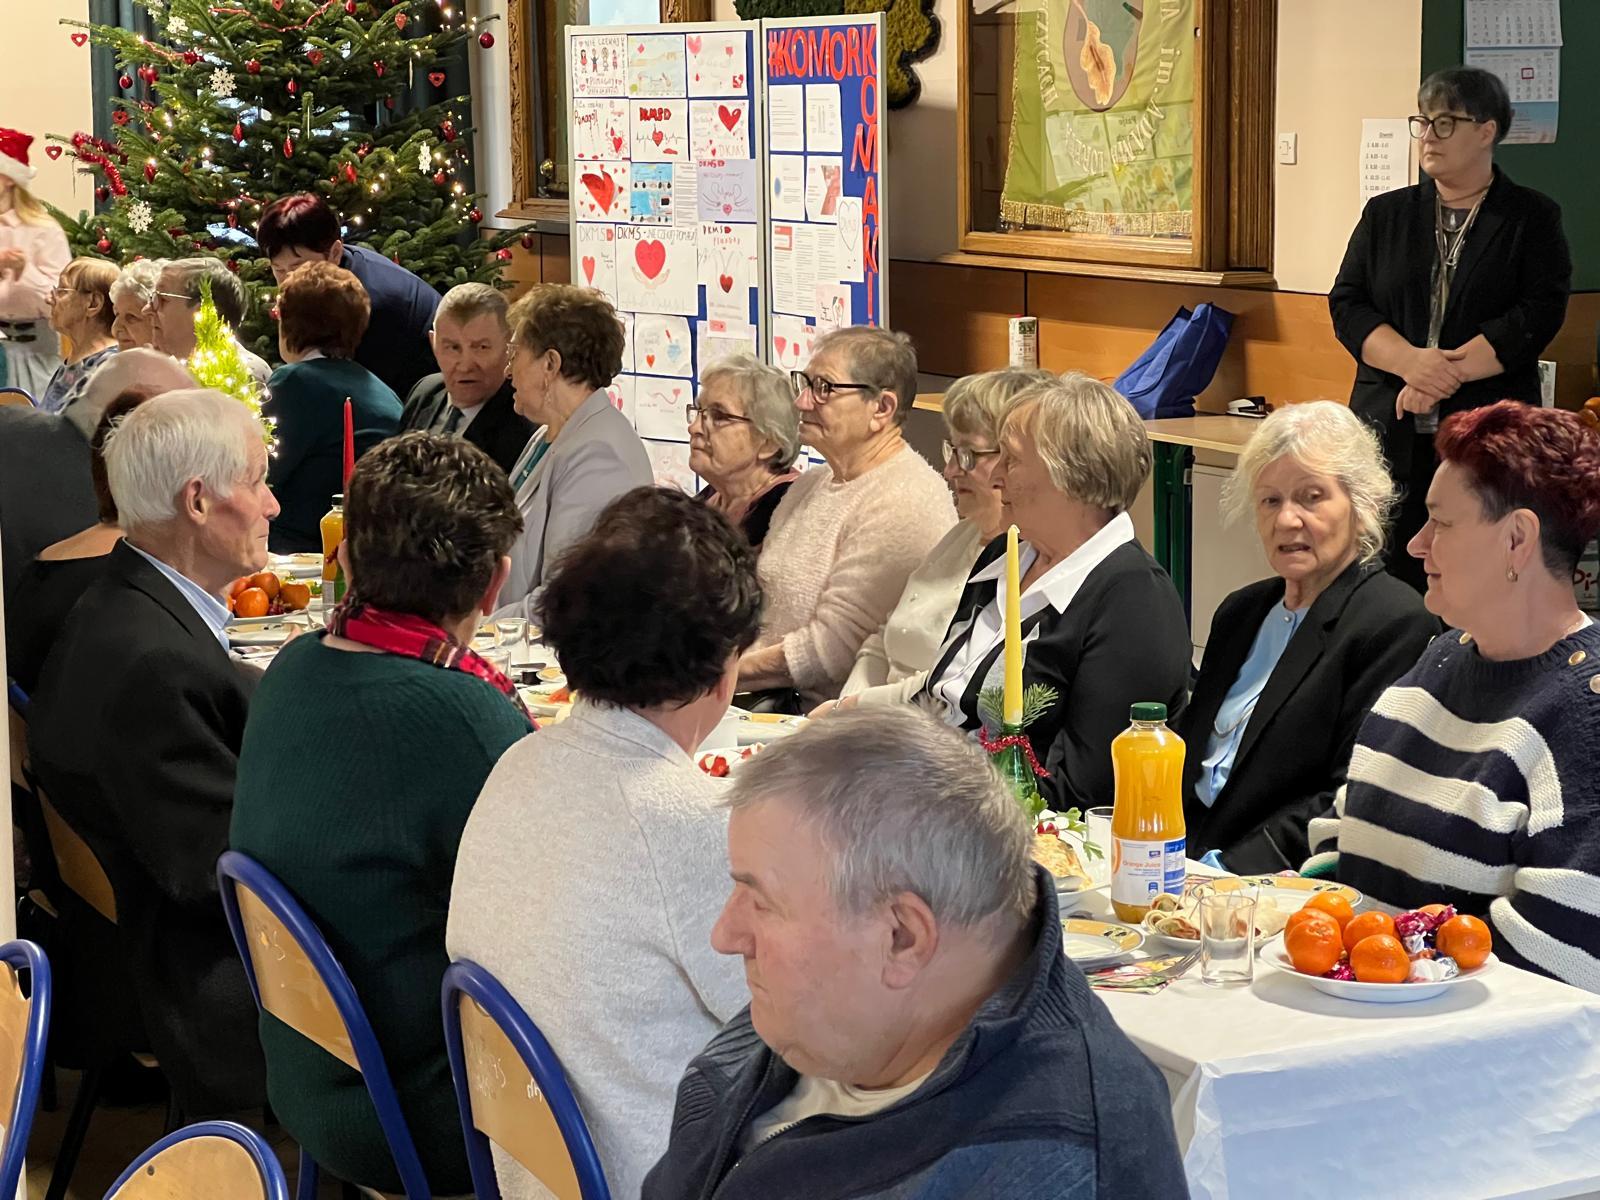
{"x":33,"y":253}
{"x":845,"y":538}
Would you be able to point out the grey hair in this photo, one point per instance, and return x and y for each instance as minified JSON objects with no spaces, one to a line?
{"x":154,"y":452}
{"x":1091,"y":439}
{"x":902,"y":803}
{"x":469,"y":301}
{"x":1326,"y":437}
{"x":138,"y":280}
{"x":880,"y":358}
{"x":227,"y":291}
{"x":1480,"y":94}
{"x":768,"y":397}
{"x":975,"y":404}
{"x":140,"y":367}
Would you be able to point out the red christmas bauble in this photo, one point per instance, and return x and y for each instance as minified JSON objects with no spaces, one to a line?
{"x":103,"y":245}
{"x":120,"y":116}
{"x":125,"y":82}
{"x":388,"y":101}
{"x":486,"y":40}
{"x":314,"y":57}
{"x":102,"y":194}
{"x":233,"y":221}
{"x":288,"y":147}
{"x":378,"y":68}
{"x":350,"y":7}
{"x":503,"y":255}
{"x":150,"y":172}
{"x":293,"y":87}
{"x":253,"y":66}
{"x":474,"y":216}
{"x":238,"y":132}
{"x":190,"y":57}
{"x":439,"y":178}
{"x":350,"y":172}
{"x":176,"y":231}
{"x":448,"y":128}
{"x":527,"y":241}
{"x":364,"y":149}
{"x":233,"y":266}
{"x":400,"y":20}
{"x":273,"y":312}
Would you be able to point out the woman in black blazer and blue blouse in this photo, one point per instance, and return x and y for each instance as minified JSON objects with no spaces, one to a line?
{"x":1101,"y":622}
{"x":1295,"y":661}
{"x":1449,"y":290}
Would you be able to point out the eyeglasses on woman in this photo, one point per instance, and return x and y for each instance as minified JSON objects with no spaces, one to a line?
{"x":1443,"y":126}
{"x":714,"y":418}
{"x":822,"y":390}
{"x":965,"y":456}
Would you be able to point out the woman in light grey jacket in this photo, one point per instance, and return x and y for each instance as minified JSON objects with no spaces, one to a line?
{"x":566,"y":347}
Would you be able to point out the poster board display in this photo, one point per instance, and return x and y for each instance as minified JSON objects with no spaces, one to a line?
{"x":667,"y":208}
{"x":825,"y":180}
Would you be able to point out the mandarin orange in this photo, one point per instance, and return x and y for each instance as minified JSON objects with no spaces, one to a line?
{"x":1313,"y":946}
{"x":267,"y":582}
{"x":1380,"y":958}
{"x":295,"y":596}
{"x":1335,"y":905}
{"x":1465,"y":939}
{"x":1301,"y":915}
{"x":1364,"y":926}
{"x":252,"y":602}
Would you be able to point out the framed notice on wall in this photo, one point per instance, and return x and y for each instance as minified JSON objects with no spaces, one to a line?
{"x":668,"y":208}
{"x":825,"y":180}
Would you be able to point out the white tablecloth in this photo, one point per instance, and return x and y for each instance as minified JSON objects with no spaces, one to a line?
{"x":1490,"y":1090}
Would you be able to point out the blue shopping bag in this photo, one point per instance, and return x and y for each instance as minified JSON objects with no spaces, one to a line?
{"x":1165,"y":379}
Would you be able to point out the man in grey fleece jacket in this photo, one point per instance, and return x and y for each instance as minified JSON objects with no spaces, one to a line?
{"x":914,"y":1032}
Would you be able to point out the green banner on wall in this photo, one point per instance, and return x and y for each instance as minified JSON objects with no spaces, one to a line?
{"x":1102,"y":136}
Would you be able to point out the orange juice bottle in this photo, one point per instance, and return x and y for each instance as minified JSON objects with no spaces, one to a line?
{"x":1147,"y":842}
{"x":333,"y":582}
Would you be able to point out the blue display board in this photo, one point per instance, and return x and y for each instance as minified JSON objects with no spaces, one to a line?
{"x":666,"y":136}
{"x":825,"y":179}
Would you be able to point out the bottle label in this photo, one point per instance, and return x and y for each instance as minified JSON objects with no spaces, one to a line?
{"x":1140,"y":871}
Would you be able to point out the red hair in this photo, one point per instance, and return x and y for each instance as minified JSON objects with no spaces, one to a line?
{"x":1545,"y":460}
{"x":298,"y":220}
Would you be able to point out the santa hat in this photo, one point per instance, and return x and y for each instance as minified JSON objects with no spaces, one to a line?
{"x":14,"y":155}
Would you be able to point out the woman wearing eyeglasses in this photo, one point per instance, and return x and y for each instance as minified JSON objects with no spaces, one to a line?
{"x":81,"y":312}
{"x":893,"y":664}
{"x":1449,"y":290}
{"x":744,"y":434}
{"x":845,"y":538}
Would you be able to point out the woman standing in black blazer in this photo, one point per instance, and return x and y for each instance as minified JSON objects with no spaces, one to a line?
{"x":1295,"y":661}
{"x":1101,"y":622}
{"x":1449,"y":290}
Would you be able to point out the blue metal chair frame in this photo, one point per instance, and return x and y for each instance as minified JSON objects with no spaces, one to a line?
{"x":236,"y":868}
{"x":468,"y":978}
{"x":17,"y":698}
{"x":273,"y":1183}
{"x":26,"y":956}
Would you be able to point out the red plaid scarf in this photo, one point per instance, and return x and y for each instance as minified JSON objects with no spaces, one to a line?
{"x":412,"y":636}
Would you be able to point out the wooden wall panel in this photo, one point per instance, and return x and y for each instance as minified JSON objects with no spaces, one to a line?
{"x":956,"y":315}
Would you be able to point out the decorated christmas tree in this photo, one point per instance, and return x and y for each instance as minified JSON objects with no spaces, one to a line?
{"x":233,"y":104}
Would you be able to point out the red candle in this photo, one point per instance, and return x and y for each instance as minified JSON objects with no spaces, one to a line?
{"x":349,"y":444}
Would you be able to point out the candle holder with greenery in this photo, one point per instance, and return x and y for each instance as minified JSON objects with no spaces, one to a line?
{"x":1012,"y":755}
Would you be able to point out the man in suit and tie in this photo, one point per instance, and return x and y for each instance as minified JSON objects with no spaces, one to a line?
{"x":137,"y":720}
{"x":470,"y":396}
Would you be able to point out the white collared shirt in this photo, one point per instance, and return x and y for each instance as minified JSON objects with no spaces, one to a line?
{"x":211,"y":609}
{"x":1054,"y":589}
{"x":467,"y":414}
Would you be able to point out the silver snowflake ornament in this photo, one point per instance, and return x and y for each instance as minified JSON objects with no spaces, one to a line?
{"x":222,"y":83}
{"x":177,"y":27}
{"x":140,"y":217}
{"x":424,"y":158}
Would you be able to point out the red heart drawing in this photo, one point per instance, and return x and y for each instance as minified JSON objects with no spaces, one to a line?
{"x":602,"y":187}
{"x":52,"y":152}
{"x":649,"y":360}
{"x":693,"y":42}
{"x":780,"y":343}
{"x":727,"y":210}
{"x":616,"y":142}
{"x":588,"y":268}
{"x":436,"y":78}
{"x":726,"y":281}
{"x":657,"y":136}
{"x":727,"y":49}
{"x":729,"y":116}
{"x":651,"y":256}
{"x":79,"y":39}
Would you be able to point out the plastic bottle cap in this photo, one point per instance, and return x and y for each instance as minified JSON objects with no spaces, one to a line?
{"x":1148,"y":712}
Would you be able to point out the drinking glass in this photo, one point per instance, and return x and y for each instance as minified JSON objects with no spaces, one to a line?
{"x":508,"y":634}
{"x":499,"y":659}
{"x":1227,"y":938}
{"x":1099,"y":822}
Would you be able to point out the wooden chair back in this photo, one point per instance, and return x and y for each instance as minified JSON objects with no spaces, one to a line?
{"x":15,"y":396}
{"x":76,"y":863}
{"x":204,"y":1162}
{"x":290,"y":987}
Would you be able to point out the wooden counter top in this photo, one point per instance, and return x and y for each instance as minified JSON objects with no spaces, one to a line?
{"x":1207,"y":431}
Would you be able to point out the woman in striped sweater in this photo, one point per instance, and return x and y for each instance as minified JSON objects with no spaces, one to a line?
{"x":1476,"y":779}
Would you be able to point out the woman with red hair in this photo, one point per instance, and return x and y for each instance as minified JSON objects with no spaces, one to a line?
{"x":1475,"y":781}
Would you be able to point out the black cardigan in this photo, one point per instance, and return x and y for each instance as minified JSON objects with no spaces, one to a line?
{"x":1122,"y":639}
{"x":1365,"y":631}
{"x":1511,"y":286}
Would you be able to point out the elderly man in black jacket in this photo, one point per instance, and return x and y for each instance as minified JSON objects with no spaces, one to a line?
{"x":470,"y":395}
{"x":137,"y":721}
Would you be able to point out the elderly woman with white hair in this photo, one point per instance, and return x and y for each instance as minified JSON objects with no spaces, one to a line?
{"x":744,"y":434}
{"x":1295,"y":661}
{"x":1102,"y":625}
{"x":133,"y":296}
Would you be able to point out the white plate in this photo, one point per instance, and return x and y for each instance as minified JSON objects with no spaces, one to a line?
{"x":262,"y":631}
{"x":296,"y":566}
{"x":1288,"y":891}
{"x":1275,"y":955}
{"x":1092,"y":943}
{"x":732,"y":753}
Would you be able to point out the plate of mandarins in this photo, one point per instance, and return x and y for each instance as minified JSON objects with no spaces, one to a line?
{"x":1378,"y":958}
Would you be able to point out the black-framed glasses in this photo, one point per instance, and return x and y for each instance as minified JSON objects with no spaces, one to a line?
{"x":965,"y":457}
{"x":715,"y":418}
{"x":822,"y":390}
{"x":1443,"y":126}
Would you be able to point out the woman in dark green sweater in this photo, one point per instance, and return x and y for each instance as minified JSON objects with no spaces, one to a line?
{"x":322,"y":312}
{"x":364,"y":752}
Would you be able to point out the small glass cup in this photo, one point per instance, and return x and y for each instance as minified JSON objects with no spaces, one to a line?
{"x":509,"y":635}
{"x":1099,"y":832}
{"x":499,"y":659}
{"x":1227,"y":938}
